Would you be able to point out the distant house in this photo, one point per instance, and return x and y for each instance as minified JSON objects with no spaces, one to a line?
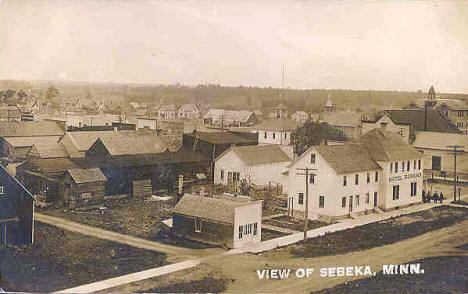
{"x":189,"y":111}
{"x":147,"y":123}
{"x":167,"y":111}
{"x":17,"y":138}
{"x":82,"y":187}
{"x":9,"y":113}
{"x":275,"y":131}
{"x":456,"y":111}
{"x":300,"y":116}
{"x":231,"y":222}
{"x":230,"y":118}
{"x":406,"y":122}
{"x":279,"y":112}
{"x":258,"y":165}
{"x":347,"y":122}
{"x":16,"y":211}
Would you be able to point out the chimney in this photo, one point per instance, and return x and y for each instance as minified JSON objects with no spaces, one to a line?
{"x":383,"y":126}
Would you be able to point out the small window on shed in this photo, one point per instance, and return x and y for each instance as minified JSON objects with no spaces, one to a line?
{"x":198,"y":225}
{"x":1,"y":190}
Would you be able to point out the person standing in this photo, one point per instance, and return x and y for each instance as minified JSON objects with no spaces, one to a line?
{"x":424,"y":196}
{"x":435,"y":196}
{"x":441,"y":197}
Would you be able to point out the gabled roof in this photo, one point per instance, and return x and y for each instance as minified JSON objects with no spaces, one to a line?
{"x":30,"y":141}
{"x":84,"y":140}
{"x":30,"y":129}
{"x":347,"y":158}
{"x":284,"y":124}
{"x":87,"y":175}
{"x":229,"y":115}
{"x":49,"y":150}
{"x":189,"y":107}
{"x":258,"y":155}
{"x":168,"y":107}
{"x":387,"y":146}
{"x":221,"y":210}
{"x":134,"y":144}
{"x":14,"y":180}
{"x":225,"y":137}
{"x":440,"y":141}
{"x":436,"y":120}
{"x":343,"y":118}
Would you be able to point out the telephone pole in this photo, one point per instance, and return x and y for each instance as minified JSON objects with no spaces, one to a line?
{"x":306,"y":217}
{"x":455,"y":149}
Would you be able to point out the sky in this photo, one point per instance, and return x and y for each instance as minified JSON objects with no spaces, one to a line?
{"x":391,"y":45}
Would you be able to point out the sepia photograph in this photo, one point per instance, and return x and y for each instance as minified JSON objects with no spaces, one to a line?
{"x":230,"y":146}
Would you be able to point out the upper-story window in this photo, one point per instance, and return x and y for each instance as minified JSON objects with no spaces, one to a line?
{"x":414,"y":164}
{"x":344,"y":180}
{"x":285,"y":134}
{"x":356,"y":179}
{"x":407,"y":165}
{"x":396,"y":167}
{"x":391,"y":167}
{"x":376,"y":176}
{"x":368,"y":177}
{"x":274,"y":135}
{"x":419,"y":164}
{"x":402,"y":166}
{"x":265,"y":135}
{"x":312,"y":178}
{"x":312,"y":158}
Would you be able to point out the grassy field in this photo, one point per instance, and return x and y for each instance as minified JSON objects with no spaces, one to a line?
{"x":293,"y":223}
{"x":443,"y":274}
{"x":380,"y":233}
{"x":60,"y":259}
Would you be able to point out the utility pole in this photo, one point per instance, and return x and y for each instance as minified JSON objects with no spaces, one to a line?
{"x":455,"y":149}
{"x":306,"y":218}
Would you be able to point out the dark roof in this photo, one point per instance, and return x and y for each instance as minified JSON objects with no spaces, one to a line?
{"x":49,"y":150}
{"x":222,"y":210}
{"x":387,"y":146}
{"x":224,"y":137}
{"x":436,"y":120}
{"x":30,"y":129}
{"x":135,"y":144}
{"x":284,"y":124}
{"x":347,"y":158}
{"x":257,"y":155}
{"x":87,"y":175}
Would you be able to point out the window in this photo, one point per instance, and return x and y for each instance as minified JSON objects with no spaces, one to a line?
{"x":265,"y":135}
{"x":312,"y":158}
{"x":240,"y":232}
{"x":344,"y":180}
{"x":274,"y":135}
{"x":391,"y":167}
{"x":376,"y":176}
{"x":229,"y":177}
{"x":235,"y":177}
{"x":407,"y":165}
{"x":402,"y":166}
{"x":1,"y":190}
{"x":321,"y":201}
{"x":222,"y":174}
{"x":357,"y":200}
{"x":255,"y":226}
{"x":396,"y":167}
{"x":356,"y":179}
{"x":419,"y":164}
{"x":285,"y":135}
{"x":414,"y":189}
{"x":312,"y":179}
{"x":414,"y":164}
{"x":300,"y":198}
{"x":436,"y":162}
{"x":198,"y":225}
{"x":396,"y":192}
{"x":86,"y":196}
{"x":343,"y":201}
{"x":375,"y":199}
{"x":367,"y":197}
{"x":368,"y":177}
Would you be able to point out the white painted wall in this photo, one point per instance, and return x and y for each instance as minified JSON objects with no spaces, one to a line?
{"x":248,"y":214}
{"x":266,"y":137}
{"x":146,"y":123}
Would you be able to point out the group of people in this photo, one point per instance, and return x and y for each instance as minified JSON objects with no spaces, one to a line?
{"x":426,"y":198}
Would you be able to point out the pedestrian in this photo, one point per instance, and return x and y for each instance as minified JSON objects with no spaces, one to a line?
{"x":435,"y":196}
{"x":428,"y":197}
{"x":424,"y":196}
{"x":441,"y":197}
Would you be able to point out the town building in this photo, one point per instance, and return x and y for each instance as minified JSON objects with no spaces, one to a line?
{"x":376,"y":171}
{"x":439,"y":158}
{"x":227,"y":221}
{"x":456,"y":111}
{"x":279,"y":112}
{"x":167,"y":111}
{"x":16,"y":211}
{"x":275,"y":131}
{"x":255,"y":165}
{"x":230,"y":118}
{"x":147,"y":123}
{"x":300,"y":116}
{"x":81,"y":187}
{"x":189,"y":111}
{"x":9,"y":113}
{"x":406,"y":122}
{"x":329,"y":107}
{"x":347,"y":122}
{"x":17,"y":138}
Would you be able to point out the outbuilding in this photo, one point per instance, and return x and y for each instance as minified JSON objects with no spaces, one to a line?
{"x":83,"y":187}
{"x":224,"y":220}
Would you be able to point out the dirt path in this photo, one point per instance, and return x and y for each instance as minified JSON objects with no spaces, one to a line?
{"x":174,"y":252}
{"x":243,"y":268}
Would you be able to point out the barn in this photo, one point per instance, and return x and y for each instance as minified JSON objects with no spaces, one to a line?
{"x":81,"y":187}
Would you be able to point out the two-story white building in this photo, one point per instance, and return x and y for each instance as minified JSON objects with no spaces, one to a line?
{"x":376,"y":170}
{"x":275,"y":131}
{"x":189,"y":111}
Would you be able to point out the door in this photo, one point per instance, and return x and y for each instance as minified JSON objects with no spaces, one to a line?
{"x":350,"y":203}
{"x":436,"y":162}
{"x":375,"y":199}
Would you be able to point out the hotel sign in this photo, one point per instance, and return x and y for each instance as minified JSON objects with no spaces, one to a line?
{"x":404,"y":177}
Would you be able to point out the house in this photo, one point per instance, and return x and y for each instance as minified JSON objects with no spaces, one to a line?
{"x":439,"y":158}
{"x":82,"y":187}
{"x":376,"y":171}
{"x":275,"y":131}
{"x":456,"y":111}
{"x":147,"y":123}
{"x":257,"y":165}
{"x":17,"y":138}
{"x":347,"y":122}
{"x":9,"y":113}
{"x":167,"y":111}
{"x":406,"y":122}
{"x":230,"y":118}
{"x":232,"y":222}
{"x":279,"y":112}
{"x":16,"y":211}
{"x":189,"y":111}
{"x":259,"y":114}
{"x":300,"y":116}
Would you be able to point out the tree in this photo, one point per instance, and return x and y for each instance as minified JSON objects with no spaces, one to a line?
{"x":52,"y":94}
{"x":312,"y":134}
{"x":7,"y":96}
{"x":22,"y":94}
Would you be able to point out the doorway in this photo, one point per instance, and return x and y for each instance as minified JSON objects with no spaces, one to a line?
{"x":350,"y":203}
